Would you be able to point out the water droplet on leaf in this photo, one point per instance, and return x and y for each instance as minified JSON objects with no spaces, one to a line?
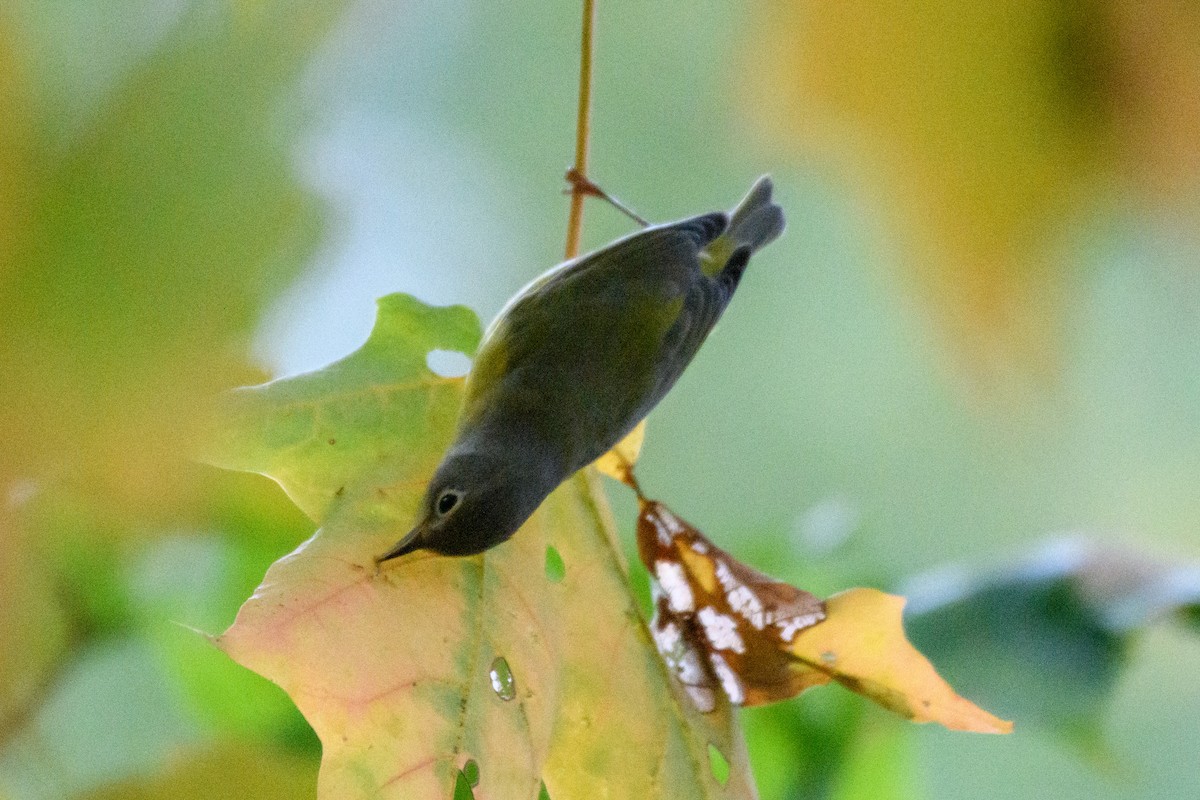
{"x":503,"y":683}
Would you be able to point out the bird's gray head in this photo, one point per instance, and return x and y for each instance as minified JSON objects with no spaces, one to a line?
{"x":475,"y":501}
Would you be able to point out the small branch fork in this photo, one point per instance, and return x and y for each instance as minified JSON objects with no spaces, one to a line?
{"x":582,"y":185}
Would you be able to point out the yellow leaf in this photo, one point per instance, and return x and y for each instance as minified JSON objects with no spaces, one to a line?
{"x":861,"y":645}
{"x":618,"y":463}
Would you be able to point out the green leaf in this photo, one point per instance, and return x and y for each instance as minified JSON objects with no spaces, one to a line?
{"x":393,"y":668}
{"x":318,"y":441}
{"x":144,"y":221}
{"x":1044,"y":644}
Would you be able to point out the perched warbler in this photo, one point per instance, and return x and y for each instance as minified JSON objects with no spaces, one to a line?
{"x":574,"y":361}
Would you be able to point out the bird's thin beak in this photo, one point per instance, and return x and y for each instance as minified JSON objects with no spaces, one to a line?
{"x":408,"y":544}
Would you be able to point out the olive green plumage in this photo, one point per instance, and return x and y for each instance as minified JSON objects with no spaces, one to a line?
{"x":575,"y":360}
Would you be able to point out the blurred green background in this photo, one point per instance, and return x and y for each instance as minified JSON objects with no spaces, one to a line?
{"x":979,"y":332}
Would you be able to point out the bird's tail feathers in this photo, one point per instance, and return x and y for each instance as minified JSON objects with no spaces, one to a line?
{"x":704,"y":228}
{"x":757,"y":221}
{"x":754,"y":223}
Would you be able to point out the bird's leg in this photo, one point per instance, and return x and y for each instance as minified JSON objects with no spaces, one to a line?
{"x":582,"y":184}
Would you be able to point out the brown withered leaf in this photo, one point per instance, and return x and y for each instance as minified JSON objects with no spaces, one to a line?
{"x":721,"y":624}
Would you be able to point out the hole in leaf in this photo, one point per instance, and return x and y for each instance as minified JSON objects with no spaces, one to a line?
{"x":503,"y":683}
{"x":470,"y":771}
{"x":542,"y":793}
{"x":448,"y":363}
{"x":462,"y":788}
{"x":718,"y":764}
{"x":555,"y":568}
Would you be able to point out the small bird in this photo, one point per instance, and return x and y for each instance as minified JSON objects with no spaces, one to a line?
{"x":574,"y":361}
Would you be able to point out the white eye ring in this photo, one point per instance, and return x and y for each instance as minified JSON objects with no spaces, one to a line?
{"x":447,"y":501}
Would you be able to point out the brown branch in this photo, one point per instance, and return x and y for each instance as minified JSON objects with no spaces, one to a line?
{"x":583,"y":129}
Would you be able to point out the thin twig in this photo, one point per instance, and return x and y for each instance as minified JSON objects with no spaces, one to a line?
{"x":583,"y":128}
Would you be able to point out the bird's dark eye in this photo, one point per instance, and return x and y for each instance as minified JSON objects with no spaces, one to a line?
{"x":447,"y":501}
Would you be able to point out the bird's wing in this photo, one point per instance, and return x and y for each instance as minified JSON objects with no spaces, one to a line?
{"x":586,"y":341}
{"x":754,"y":223}
{"x":706,"y":301}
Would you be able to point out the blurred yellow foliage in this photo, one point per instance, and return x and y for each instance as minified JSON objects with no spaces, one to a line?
{"x":983,"y":130}
{"x":220,"y":772}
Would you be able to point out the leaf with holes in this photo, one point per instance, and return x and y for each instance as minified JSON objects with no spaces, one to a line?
{"x":524,"y":665}
{"x":721,"y":624}
{"x":317,"y":433}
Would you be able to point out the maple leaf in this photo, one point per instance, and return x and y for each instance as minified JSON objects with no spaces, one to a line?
{"x":419,"y":674}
